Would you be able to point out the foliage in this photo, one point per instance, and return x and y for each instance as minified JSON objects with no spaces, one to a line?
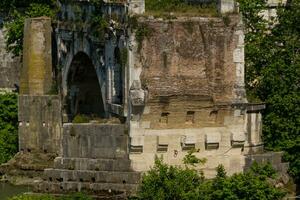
{"x":8,"y":6}
{"x":27,"y":197}
{"x":272,"y":75}
{"x":15,"y":24}
{"x":142,"y":31}
{"x":76,"y":196}
{"x":8,"y":126}
{"x":165,"y":182}
{"x":79,"y":119}
{"x":180,"y":6}
{"x":263,"y":170}
{"x":168,"y":182}
{"x":100,"y":25}
{"x":191,"y":159}
{"x":54,"y":89}
{"x":243,"y":186}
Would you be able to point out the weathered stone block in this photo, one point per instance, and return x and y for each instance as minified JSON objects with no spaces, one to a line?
{"x":36,"y":74}
{"x":39,"y":124}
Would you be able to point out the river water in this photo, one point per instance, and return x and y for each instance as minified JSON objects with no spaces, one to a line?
{"x":7,"y":190}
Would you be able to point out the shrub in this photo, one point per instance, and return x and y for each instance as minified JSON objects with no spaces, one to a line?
{"x":76,"y":196}
{"x":79,"y":119}
{"x":165,"y":182}
{"x":168,"y":182}
{"x":8,"y":126}
{"x":180,"y":6}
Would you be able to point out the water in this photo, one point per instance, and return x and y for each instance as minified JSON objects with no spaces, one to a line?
{"x":7,"y":190}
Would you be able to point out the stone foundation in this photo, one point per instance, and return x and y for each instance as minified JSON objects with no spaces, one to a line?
{"x":94,"y":160}
{"x":39,"y":124}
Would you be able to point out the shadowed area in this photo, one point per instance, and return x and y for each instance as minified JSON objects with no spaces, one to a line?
{"x":84,"y":92}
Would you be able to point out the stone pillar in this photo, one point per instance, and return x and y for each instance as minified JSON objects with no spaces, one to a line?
{"x":226,"y":6}
{"x":239,"y":61}
{"x":36,"y":74}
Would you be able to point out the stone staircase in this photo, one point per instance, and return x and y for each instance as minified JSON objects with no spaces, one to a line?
{"x":94,"y":160}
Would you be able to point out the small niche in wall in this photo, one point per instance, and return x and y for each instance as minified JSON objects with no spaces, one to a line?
{"x":136,"y":149}
{"x":27,"y":123}
{"x":212,"y":140}
{"x":188,"y":142}
{"x":213,"y":115}
{"x":162,"y":144}
{"x":164,"y":118}
{"x":211,"y":146}
{"x":190,"y":117}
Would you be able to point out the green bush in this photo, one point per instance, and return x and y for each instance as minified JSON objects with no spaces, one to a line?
{"x":180,"y":6}
{"x":169,"y":182}
{"x":165,"y":182}
{"x":272,"y":75}
{"x":79,"y":119}
{"x":8,"y":126}
{"x":15,"y":23}
{"x":76,"y":196}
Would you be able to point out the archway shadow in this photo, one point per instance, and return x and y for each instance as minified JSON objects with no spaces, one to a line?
{"x":84,"y":95}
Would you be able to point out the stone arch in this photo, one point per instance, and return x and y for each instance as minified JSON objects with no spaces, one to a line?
{"x":83,"y":92}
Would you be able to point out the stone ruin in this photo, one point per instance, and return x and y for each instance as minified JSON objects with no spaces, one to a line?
{"x":180,"y":88}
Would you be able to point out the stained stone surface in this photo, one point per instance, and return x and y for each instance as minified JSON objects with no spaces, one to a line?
{"x":9,"y":66}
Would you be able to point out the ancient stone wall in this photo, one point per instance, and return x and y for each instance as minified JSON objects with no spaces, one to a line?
{"x":94,"y":141}
{"x":9,"y":65}
{"x":192,"y":57}
{"x":187,"y":91}
{"x":39,"y":123}
{"x":39,"y":113}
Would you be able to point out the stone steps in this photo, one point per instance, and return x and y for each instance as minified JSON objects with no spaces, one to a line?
{"x":59,"y":175}
{"x":94,"y":160}
{"x":89,"y":188}
{"x":92,"y":164}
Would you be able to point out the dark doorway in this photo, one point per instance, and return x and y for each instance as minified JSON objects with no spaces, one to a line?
{"x":84,"y":92}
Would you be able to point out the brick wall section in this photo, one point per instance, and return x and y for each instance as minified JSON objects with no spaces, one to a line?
{"x":190,"y":57}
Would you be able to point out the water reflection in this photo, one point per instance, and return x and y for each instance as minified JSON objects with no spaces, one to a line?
{"x":7,"y":190}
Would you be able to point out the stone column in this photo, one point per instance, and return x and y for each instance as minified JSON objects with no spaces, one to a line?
{"x":36,"y":74}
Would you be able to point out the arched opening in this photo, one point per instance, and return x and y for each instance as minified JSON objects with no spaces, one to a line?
{"x":84,"y":93}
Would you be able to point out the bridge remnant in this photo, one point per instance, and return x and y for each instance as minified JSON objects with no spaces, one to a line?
{"x":132,"y":88}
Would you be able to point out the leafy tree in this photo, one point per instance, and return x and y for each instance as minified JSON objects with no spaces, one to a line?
{"x":165,"y":182}
{"x":272,"y":75}
{"x":169,"y":182}
{"x":76,"y":196}
{"x":191,"y":159}
{"x":8,"y":126}
{"x":18,"y":11}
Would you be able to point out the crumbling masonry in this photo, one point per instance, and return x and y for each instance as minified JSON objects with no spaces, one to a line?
{"x":179,"y":88}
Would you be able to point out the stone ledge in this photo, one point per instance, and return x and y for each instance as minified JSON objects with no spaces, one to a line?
{"x":88,"y":176}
